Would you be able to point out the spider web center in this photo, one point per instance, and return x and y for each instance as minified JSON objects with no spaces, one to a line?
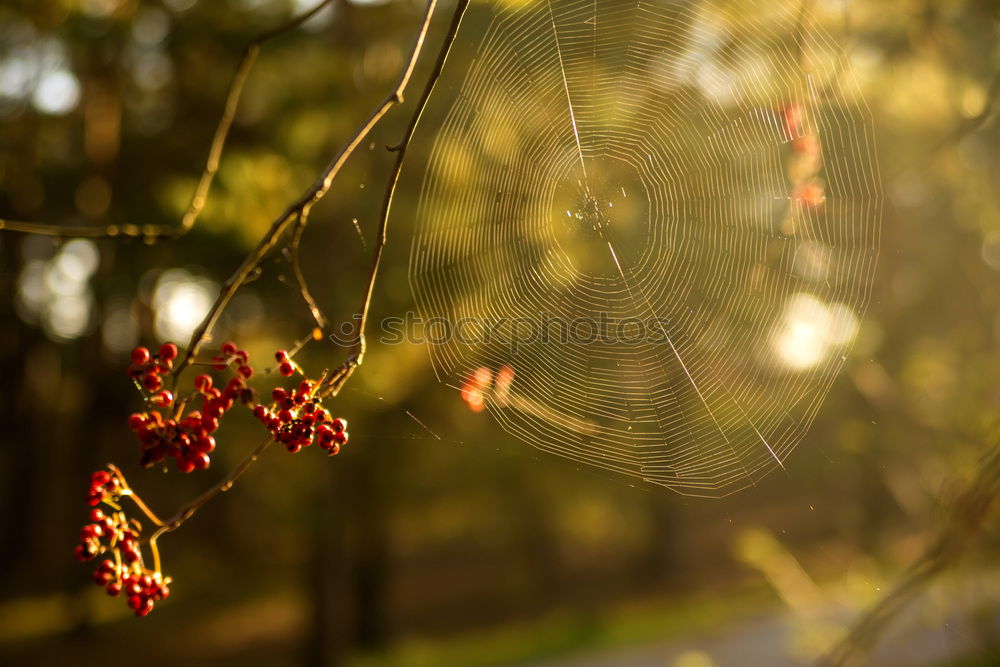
{"x":600,"y":202}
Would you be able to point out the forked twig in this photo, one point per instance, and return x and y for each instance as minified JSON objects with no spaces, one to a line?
{"x":223,"y":485}
{"x":300,"y":279}
{"x":154,"y":233}
{"x":302,"y":206}
{"x":390,"y":189}
{"x":298,"y":213}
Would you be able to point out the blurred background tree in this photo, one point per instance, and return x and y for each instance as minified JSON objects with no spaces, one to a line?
{"x":442,"y":541}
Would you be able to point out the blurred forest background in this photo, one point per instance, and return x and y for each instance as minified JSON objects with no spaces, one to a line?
{"x":443,"y":541}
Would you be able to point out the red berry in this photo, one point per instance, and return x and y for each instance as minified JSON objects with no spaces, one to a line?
{"x":339,"y":424}
{"x":168,"y":352}
{"x":286,"y":369}
{"x":203,"y":382}
{"x":219,"y":363}
{"x":163,"y":398}
{"x":281,"y":356}
{"x":114,"y":588}
{"x":200,"y":460}
{"x":91,"y":530}
{"x":135,"y":422}
{"x":259,"y":411}
{"x":241,"y":356}
{"x":185,"y":465}
{"x":140,"y":356}
{"x":340,"y":437}
{"x":245,"y":371}
{"x":145,"y":607}
{"x":152,"y":382}
{"x":228,"y":349}
{"x":205,"y":444}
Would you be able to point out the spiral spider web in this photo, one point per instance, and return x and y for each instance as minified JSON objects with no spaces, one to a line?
{"x":700,"y":171}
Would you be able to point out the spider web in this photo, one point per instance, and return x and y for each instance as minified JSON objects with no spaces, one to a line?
{"x":701,"y":171}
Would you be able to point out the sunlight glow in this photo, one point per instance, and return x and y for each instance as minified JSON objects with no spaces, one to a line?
{"x":58,"y":92}
{"x":991,"y":250}
{"x":181,"y":300}
{"x":810,"y":329}
{"x":57,"y":292}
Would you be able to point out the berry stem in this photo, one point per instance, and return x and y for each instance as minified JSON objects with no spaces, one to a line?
{"x":126,"y":490}
{"x":142,"y":506}
{"x":223,"y":485}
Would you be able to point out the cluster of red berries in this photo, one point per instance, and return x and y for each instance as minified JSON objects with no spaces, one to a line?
{"x":188,"y":439}
{"x":109,"y":531}
{"x":147,"y":369}
{"x":231,"y":356}
{"x":286,"y":366}
{"x":807,"y":158}
{"x":142,"y":588}
{"x":103,"y":487}
{"x":297,"y":419}
{"x":112,"y":532}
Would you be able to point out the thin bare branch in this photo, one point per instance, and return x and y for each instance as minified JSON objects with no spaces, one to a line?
{"x":400,"y":150}
{"x":969,"y":513}
{"x":962,"y":130}
{"x":338,"y":378}
{"x":155,"y":233}
{"x":303,"y":205}
{"x":298,"y":213}
{"x":300,"y":279}
{"x":223,"y":485}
